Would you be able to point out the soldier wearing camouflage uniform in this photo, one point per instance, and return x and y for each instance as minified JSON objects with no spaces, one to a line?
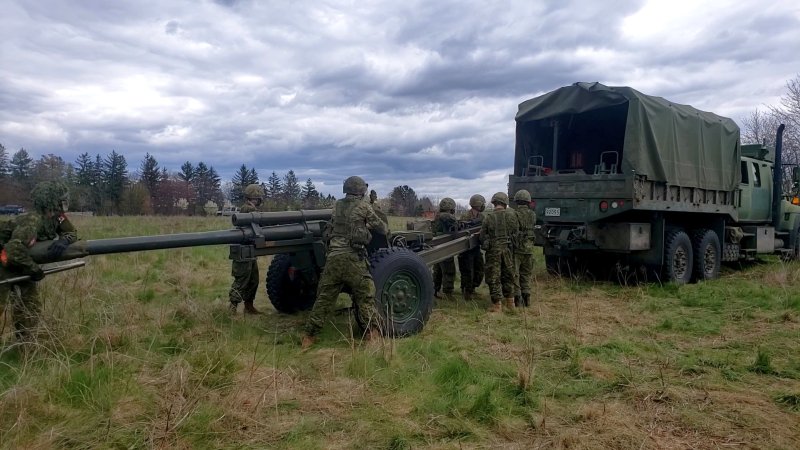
{"x":346,"y":266}
{"x":444,"y":273}
{"x":17,"y":236}
{"x":499,"y":232}
{"x":245,"y":271}
{"x":470,"y":263}
{"x":523,"y":253}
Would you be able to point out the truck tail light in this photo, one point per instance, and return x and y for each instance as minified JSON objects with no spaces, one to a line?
{"x":603,"y":206}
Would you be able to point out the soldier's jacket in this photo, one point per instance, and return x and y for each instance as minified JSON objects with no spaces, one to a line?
{"x":499,"y":229}
{"x":445,"y":222}
{"x":19,"y":234}
{"x":350,"y":225}
{"x":472,"y":215}
{"x":377,"y":208}
{"x":527,"y":220}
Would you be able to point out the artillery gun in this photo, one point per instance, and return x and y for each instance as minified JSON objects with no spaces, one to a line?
{"x":398,"y":261}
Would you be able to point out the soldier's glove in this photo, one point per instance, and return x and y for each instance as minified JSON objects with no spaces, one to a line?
{"x":37,"y":275}
{"x":57,"y":248}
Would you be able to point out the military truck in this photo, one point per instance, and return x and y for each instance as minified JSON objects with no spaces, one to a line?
{"x":618,"y":176}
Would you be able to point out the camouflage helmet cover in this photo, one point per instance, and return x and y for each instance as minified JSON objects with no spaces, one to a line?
{"x":522,"y":196}
{"x":355,"y":185}
{"x":447,"y":204}
{"x":477,"y":201}
{"x":500,"y":197}
{"x":49,"y":195}
{"x":254,"y":191}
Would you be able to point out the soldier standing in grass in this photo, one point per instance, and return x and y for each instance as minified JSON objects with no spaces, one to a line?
{"x":444,"y":273}
{"x":523,"y":253}
{"x":499,"y":232}
{"x":470,"y":263}
{"x":346,"y":266}
{"x":17,"y":236}
{"x":245,"y":271}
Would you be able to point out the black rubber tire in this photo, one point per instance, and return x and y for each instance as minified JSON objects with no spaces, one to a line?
{"x":678,"y":257}
{"x":288,"y":296}
{"x":707,"y":254}
{"x":794,"y":253}
{"x":403,"y":291}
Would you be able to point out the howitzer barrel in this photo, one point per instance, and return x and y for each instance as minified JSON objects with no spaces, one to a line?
{"x":279,"y":218}
{"x":241,"y":235}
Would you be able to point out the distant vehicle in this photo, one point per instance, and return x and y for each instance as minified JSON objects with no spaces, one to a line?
{"x":228,"y":211}
{"x":11,"y":209}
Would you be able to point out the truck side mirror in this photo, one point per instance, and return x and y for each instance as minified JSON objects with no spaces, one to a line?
{"x":796,"y":175}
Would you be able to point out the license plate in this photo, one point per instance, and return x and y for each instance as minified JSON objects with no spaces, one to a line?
{"x":552,"y":212}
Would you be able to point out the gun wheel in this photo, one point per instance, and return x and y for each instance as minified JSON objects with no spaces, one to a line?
{"x":288,"y":294}
{"x":403,"y":291}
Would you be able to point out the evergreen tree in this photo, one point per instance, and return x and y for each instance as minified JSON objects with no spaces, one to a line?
{"x":21,"y":166}
{"x":5,"y":167}
{"x":115,"y":178}
{"x":50,"y":168}
{"x":310,"y":195}
{"x":291,"y":190}
{"x":274,"y":192}
{"x":84,"y":169}
{"x":241,"y":179}
{"x":150,"y":173}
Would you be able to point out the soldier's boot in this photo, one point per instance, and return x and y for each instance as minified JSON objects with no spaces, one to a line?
{"x":308,"y":341}
{"x":232,"y":307}
{"x":250,"y":309}
{"x":496,"y":307}
{"x":437,"y":294}
{"x":447,"y":295}
{"x":517,"y":301}
{"x":510,"y":304}
{"x":526,"y":300}
{"x":467,"y":295}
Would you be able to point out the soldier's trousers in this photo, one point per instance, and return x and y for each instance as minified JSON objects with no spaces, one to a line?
{"x":25,"y":307}
{"x":470,"y":264}
{"x":444,"y":276}
{"x":524,"y":265}
{"x":245,"y":281}
{"x":501,"y":274}
{"x":343,"y":270}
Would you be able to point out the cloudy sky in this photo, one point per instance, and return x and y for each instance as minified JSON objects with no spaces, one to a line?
{"x":411,"y":92}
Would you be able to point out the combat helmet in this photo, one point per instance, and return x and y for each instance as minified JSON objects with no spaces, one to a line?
{"x":478,"y":202}
{"x":355,"y":185}
{"x":447,"y":204}
{"x":522,"y":196}
{"x":254,"y":191}
{"x":500,"y":197}
{"x":50,"y":196}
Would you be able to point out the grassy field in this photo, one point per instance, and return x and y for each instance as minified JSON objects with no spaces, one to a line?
{"x":138,"y":350}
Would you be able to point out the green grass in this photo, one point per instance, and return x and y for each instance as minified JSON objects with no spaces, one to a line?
{"x":138,"y":351}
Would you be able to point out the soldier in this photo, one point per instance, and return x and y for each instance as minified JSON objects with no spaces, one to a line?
{"x":245,"y":271}
{"x":347,"y":236}
{"x":373,"y":202}
{"x":444,"y":273}
{"x":499,"y":231}
{"x":523,"y":254}
{"x":17,"y":236}
{"x":470,"y":263}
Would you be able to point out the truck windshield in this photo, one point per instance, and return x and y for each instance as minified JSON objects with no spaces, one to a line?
{"x":590,"y":142}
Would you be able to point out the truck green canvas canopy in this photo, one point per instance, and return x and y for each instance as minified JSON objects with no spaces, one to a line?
{"x":648,"y":135}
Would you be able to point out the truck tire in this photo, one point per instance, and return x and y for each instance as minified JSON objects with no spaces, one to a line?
{"x":707,"y":254}
{"x":678,"y":257}
{"x":403,"y":291}
{"x":794,"y":247}
{"x":287,"y":295}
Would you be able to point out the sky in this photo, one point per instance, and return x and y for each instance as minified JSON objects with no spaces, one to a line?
{"x":421,"y":93}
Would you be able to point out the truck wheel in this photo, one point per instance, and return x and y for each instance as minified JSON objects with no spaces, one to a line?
{"x":287,"y":295}
{"x":794,"y":248}
{"x":707,"y":254}
{"x":678,"y":257}
{"x":403,"y":291}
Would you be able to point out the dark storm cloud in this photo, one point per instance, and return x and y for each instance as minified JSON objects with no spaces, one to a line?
{"x":420,"y":93}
